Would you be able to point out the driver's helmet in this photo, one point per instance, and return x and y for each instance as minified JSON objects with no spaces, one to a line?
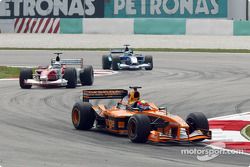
{"x":143,"y":105}
{"x":57,"y":65}
{"x":133,"y":97}
{"x":127,"y":53}
{"x":126,"y":49}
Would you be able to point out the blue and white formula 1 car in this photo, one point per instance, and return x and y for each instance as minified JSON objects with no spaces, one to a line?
{"x":125,"y":59}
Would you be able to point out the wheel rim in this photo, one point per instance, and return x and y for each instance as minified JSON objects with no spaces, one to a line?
{"x":132,"y":129}
{"x":75,"y":117}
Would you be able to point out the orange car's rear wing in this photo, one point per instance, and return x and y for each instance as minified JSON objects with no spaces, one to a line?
{"x":104,"y":94}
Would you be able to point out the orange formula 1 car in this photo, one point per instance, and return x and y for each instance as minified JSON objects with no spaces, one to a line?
{"x":140,"y":120}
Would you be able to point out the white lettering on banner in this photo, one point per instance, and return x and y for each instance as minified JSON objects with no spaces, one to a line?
{"x":60,"y":6}
{"x":90,"y":7}
{"x":130,"y":9}
{"x":118,"y":5}
{"x":44,"y":12}
{"x":44,"y":8}
{"x":76,"y":7}
{"x":201,"y":7}
{"x":29,"y":8}
{"x":158,"y":6}
{"x":72,"y":8}
{"x":173,"y":10}
{"x":188,"y":5}
{"x":17,"y":7}
{"x":215,"y":10}
{"x":155,"y":7}
{"x":143,"y":7}
{"x":5,"y":8}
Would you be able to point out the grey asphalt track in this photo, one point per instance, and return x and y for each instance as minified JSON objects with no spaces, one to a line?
{"x":36,"y":128}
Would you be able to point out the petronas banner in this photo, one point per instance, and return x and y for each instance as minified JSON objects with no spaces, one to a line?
{"x":166,"y":8}
{"x":51,"y":8}
{"x":113,"y":9}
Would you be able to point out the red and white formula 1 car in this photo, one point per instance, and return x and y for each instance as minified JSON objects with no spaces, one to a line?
{"x":58,"y":74}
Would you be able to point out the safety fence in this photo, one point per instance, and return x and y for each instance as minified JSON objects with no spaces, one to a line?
{"x":159,"y":26}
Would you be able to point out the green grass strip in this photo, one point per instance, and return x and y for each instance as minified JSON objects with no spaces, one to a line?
{"x":143,"y":49}
{"x":246,"y":132}
{"x":9,"y":72}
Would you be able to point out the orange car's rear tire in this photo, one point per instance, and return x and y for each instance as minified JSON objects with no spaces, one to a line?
{"x":139,"y":128}
{"x":83,"y":116}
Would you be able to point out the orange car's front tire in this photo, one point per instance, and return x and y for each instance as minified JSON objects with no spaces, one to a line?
{"x":196,"y":121}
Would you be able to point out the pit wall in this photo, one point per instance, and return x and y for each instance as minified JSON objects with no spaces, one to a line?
{"x":156,"y":26}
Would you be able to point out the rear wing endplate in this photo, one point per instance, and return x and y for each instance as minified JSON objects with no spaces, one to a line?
{"x":69,"y":62}
{"x":104,"y":94}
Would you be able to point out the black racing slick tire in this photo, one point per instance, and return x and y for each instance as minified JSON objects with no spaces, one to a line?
{"x":196,"y":121}
{"x":87,"y":76}
{"x":149,"y":60}
{"x":71,"y":76}
{"x":83,"y":116}
{"x":106,"y":64}
{"x":139,"y":128}
{"x":25,"y":74}
{"x":115,"y":63}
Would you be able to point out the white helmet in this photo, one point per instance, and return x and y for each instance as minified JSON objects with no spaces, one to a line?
{"x":128,"y":53}
{"x":57,"y":65}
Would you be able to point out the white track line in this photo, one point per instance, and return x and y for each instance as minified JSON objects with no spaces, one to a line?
{"x":232,"y":116}
{"x":9,"y":79}
{"x":226,"y":134}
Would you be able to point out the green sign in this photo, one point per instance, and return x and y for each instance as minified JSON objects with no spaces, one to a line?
{"x":71,"y":26}
{"x":165,"y":8}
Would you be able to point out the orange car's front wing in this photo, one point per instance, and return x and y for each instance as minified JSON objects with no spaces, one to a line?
{"x":156,"y":136}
